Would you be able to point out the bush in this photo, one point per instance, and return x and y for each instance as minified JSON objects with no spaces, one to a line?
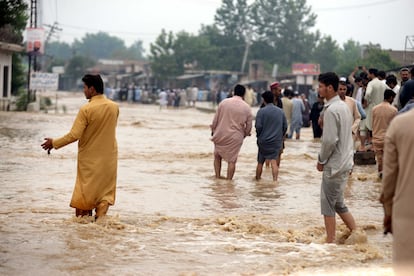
{"x":21,"y":102}
{"x":45,"y":102}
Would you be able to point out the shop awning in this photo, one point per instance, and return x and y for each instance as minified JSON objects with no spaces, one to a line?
{"x":187,"y":77}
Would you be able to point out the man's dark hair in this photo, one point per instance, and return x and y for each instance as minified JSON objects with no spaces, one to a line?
{"x":363,"y":75}
{"x":268,"y":96}
{"x":373,"y":71}
{"x":239,"y":90}
{"x":381,"y":74}
{"x":349,"y":90}
{"x":287,"y":92}
{"x":342,"y":82}
{"x":94,"y":81}
{"x":391,"y":79}
{"x":388,"y":94}
{"x":329,"y":78}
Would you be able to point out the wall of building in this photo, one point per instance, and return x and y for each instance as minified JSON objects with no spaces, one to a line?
{"x":5,"y":79}
{"x":402,"y":57}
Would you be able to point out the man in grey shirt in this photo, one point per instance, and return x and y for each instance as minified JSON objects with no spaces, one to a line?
{"x":335,"y":159}
{"x":271,"y":126}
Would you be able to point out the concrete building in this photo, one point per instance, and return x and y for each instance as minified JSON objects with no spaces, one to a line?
{"x":402,"y":57}
{"x":6,"y":52}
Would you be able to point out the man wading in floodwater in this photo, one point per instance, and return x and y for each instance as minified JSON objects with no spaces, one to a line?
{"x":335,"y":159}
{"x":94,"y":127}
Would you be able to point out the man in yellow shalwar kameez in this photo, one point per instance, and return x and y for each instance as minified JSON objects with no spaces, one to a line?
{"x":95,"y":128}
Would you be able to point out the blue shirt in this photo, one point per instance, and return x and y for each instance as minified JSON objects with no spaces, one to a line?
{"x":271,"y":125}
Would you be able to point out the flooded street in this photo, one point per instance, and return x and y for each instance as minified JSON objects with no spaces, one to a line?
{"x":171,"y":216}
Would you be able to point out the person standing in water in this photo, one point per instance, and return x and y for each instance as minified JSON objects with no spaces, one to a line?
{"x":335,"y":158}
{"x":271,"y":126}
{"x":95,"y":129}
{"x":231,"y":124}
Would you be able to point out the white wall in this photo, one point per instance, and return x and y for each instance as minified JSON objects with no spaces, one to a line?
{"x":5,"y":60}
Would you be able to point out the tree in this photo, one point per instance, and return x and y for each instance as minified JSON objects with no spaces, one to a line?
{"x":349,"y":57}
{"x":163,"y":61}
{"x":326,"y":54}
{"x":135,"y":52}
{"x":191,"y":51}
{"x":19,"y":78}
{"x":56,"y":54}
{"x":77,"y":66}
{"x":60,"y":50}
{"x":375,"y":57}
{"x":371,"y":56}
{"x":277,"y":31}
{"x":233,"y":18}
{"x":225,"y":52}
{"x":285,"y":26}
{"x":12,"y":24}
{"x":13,"y":20}
{"x":98,"y":46}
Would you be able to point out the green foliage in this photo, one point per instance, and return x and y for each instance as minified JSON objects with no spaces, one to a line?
{"x":326,"y":53}
{"x":54,"y":62}
{"x":233,"y":18}
{"x":99,"y":45}
{"x":59,"y":50}
{"x":277,"y":31}
{"x":163,"y":59}
{"x":19,"y":78}
{"x":13,"y":21}
{"x":285,"y":25}
{"x":135,"y":52}
{"x":45,"y":102}
{"x":77,"y":66}
{"x":349,"y":57}
{"x":21,"y":102}
{"x":375,"y":57}
{"x":14,"y":14}
{"x":225,"y":52}
{"x":171,"y":54}
{"x":187,"y":49}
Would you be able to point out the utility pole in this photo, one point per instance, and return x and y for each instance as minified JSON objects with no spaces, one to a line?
{"x":409,"y":45}
{"x":246,"y":50}
{"x":33,"y":24}
{"x":53,"y":29}
{"x":246,"y":53}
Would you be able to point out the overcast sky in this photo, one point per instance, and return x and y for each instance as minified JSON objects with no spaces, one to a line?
{"x":376,"y":21}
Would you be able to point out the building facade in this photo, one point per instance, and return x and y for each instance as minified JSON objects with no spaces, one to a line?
{"x":6,"y":52}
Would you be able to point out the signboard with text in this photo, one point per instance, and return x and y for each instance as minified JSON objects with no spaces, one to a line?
{"x":306,"y":69}
{"x":44,"y":81}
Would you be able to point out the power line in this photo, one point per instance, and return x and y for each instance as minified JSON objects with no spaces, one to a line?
{"x":358,"y":6}
{"x":53,"y":29}
{"x":102,"y":30}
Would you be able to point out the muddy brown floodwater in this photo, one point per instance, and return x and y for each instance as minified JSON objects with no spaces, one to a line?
{"x":171,"y":216}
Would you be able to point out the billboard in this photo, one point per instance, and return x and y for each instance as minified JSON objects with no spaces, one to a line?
{"x":35,"y":41}
{"x":306,"y":69}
